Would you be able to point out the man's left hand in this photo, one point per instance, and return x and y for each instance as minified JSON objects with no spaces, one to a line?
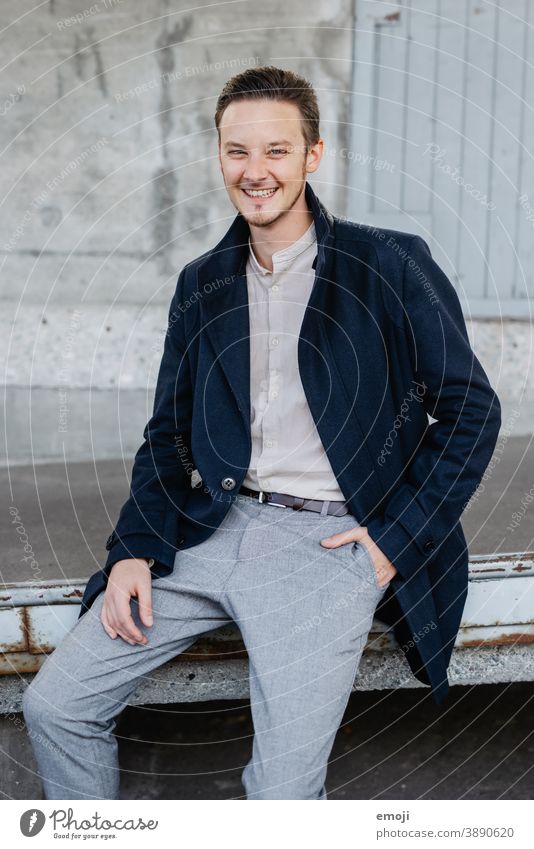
{"x":384,"y":568}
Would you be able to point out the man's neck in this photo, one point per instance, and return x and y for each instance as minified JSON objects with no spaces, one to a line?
{"x":284,"y":232}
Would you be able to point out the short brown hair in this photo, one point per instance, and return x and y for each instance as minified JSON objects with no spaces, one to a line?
{"x":273,"y":83}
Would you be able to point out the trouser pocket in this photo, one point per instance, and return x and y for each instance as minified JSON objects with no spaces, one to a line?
{"x":362,"y":555}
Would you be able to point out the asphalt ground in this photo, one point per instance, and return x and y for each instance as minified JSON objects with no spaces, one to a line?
{"x":390,"y":745}
{"x":68,"y":512}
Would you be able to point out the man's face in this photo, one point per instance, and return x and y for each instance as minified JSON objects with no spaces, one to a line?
{"x":263,"y":158}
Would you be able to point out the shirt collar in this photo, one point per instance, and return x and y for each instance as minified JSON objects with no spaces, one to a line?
{"x":286,"y":255}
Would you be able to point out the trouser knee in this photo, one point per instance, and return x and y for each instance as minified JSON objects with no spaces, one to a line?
{"x":34,"y":708}
{"x":46,"y":700}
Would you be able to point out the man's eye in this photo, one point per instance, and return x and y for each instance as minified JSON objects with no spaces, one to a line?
{"x":235,"y":151}
{"x":278,"y":150}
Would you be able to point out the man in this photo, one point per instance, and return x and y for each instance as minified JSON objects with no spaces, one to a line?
{"x":303,"y":358}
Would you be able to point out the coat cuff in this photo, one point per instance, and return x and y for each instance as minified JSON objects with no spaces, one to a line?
{"x":138,"y":545}
{"x":403,"y":533}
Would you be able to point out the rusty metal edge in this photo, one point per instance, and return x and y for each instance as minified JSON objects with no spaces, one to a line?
{"x":379,"y":640}
{"x":70,"y":591}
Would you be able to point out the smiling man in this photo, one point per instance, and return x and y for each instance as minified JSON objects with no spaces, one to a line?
{"x":300,"y":391}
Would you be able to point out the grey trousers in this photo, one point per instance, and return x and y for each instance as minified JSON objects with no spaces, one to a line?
{"x":304,"y":613}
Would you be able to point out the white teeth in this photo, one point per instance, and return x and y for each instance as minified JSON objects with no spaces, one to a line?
{"x":259,"y":193}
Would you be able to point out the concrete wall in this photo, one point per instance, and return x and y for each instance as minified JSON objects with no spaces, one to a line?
{"x":110,"y":182}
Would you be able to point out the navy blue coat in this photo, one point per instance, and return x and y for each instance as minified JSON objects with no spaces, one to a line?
{"x":383,"y":343}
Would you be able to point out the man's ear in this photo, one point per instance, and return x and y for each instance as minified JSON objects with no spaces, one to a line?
{"x":314,"y":156}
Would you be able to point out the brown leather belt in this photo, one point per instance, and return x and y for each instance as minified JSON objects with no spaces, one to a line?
{"x":281,"y":499}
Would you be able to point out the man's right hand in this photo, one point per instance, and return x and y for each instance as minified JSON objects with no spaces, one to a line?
{"x":130,"y":577}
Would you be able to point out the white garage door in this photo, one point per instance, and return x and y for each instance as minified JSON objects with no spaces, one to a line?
{"x":442,"y":139}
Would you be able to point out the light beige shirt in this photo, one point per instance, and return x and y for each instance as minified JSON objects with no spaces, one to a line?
{"x":287,"y":452}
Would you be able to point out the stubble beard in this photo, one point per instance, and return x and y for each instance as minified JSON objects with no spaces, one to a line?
{"x":265,"y":219}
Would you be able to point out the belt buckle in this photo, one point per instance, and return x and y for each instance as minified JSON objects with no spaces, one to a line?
{"x":262,"y":498}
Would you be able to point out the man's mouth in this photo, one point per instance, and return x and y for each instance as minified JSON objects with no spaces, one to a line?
{"x":260,"y":193}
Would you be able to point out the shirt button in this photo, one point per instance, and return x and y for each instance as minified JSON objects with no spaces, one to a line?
{"x":274,"y":340}
{"x":269,"y":443}
{"x":274,"y":287}
{"x":274,"y":394}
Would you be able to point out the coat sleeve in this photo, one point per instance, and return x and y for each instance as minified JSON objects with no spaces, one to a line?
{"x":456,"y":448}
{"x":148,"y":522}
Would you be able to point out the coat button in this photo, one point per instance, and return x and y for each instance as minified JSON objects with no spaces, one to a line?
{"x":110,"y":540}
{"x":181,"y":540}
{"x":228,"y":483}
{"x":429,"y":546}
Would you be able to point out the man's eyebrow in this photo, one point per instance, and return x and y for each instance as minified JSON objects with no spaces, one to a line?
{"x":269,"y":144}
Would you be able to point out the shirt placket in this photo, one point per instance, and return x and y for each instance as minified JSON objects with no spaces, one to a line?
{"x":272,"y":417}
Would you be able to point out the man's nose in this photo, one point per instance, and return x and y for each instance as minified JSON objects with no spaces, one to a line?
{"x":256,"y":170}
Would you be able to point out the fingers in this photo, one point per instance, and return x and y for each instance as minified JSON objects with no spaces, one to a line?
{"x":378,"y":559}
{"x":144,"y":599}
{"x":386,"y":570}
{"x":117,"y":620}
{"x":128,"y":578}
{"x":107,"y":627}
{"x":343,"y":537}
{"x":376,"y":553}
